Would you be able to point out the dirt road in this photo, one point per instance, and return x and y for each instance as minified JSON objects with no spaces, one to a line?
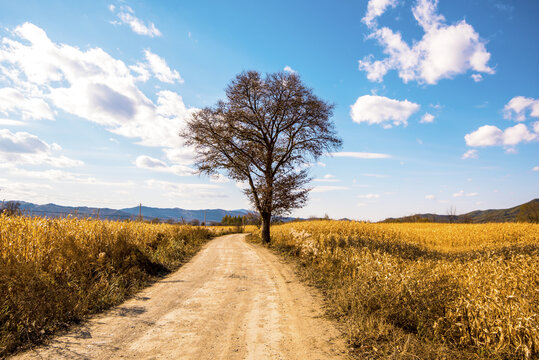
{"x":233,"y":300}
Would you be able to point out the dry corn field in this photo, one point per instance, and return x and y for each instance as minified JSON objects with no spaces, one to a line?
{"x":425,"y":290}
{"x":55,"y":272}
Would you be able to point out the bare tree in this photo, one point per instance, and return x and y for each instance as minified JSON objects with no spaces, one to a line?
{"x":264,"y":133}
{"x":452,"y":214}
{"x":10,"y":208}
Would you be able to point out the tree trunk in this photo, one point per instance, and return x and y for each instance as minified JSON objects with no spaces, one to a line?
{"x":266,"y":222}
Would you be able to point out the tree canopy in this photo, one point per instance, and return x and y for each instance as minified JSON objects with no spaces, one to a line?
{"x":265,"y":133}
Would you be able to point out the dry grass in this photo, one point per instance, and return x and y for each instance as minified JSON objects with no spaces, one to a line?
{"x":53,"y":272}
{"x":408,"y":291}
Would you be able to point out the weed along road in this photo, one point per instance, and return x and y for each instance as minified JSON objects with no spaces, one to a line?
{"x":233,"y":300}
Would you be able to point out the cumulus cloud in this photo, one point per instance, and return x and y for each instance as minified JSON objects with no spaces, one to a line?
{"x":160,"y":69}
{"x":490,"y":135}
{"x":360,"y":155}
{"x":470,"y":154}
{"x":427,"y":118}
{"x":374,"y":109}
{"x":24,"y":148}
{"x":92,"y":85}
{"x":443,"y":52}
{"x":518,"y":106}
{"x":149,"y":163}
{"x":375,"y":8}
{"x":14,"y":102}
{"x":127,"y":16}
{"x":430,"y":197}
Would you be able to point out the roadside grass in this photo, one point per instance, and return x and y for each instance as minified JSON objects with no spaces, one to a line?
{"x":424,"y":291}
{"x":55,"y":272}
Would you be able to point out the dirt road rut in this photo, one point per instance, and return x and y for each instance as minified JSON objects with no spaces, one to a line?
{"x":233,"y":300}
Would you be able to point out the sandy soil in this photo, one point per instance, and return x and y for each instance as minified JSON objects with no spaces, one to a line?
{"x":233,"y":300}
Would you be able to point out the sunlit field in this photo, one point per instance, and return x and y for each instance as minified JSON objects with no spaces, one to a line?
{"x":425,"y":290}
{"x":54,"y":272}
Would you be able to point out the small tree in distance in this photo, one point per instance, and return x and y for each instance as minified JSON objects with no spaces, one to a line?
{"x":264,"y":134}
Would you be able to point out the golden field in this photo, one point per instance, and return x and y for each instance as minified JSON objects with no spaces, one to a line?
{"x":53,"y":272}
{"x":408,"y":291}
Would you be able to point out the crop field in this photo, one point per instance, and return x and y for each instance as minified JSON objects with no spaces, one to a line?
{"x":425,"y":290}
{"x":54,"y":272}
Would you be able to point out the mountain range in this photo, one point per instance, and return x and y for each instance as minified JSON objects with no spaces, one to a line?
{"x":526,"y":212}
{"x":148,"y":213}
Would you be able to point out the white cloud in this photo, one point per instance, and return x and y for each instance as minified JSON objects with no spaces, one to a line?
{"x":427,"y":118}
{"x":470,"y":154}
{"x":360,"y":155}
{"x":24,"y":148}
{"x":443,"y":52}
{"x":375,"y":8}
{"x":13,"y":102}
{"x":369,"y":196}
{"x":112,"y":8}
{"x":374,"y":109}
{"x":160,"y":69}
{"x":10,"y":122}
{"x":461,"y":193}
{"x":187,"y":190}
{"x":430,"y":197}
{"x":63,"y":176}
{"x":535,"y":168}
{"x":327,"y":188}
{"x":92,"y":85}
{"x":511,"y":150}
{"x":516,"y":134}
{"x":126,"y":15}
{"x":289,"y":69}
{"x":149,"y":163}
{"x":328,"y":178}
{"x":487,"y":135}
{"x":518,"y":106}
{"x":477,"y":77}
{"x":490,"y":135}
{"x":17,"y":190}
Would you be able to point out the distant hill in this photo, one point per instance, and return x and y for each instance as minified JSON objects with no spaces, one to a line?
{"x":177,"y":214}
{"x":148,"y":213}
{"x":531,"y":210}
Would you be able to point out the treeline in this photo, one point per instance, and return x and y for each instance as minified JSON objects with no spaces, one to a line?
{"x":10,"y":208}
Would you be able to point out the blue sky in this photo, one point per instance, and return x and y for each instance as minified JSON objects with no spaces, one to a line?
{"x":437,"y":102}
